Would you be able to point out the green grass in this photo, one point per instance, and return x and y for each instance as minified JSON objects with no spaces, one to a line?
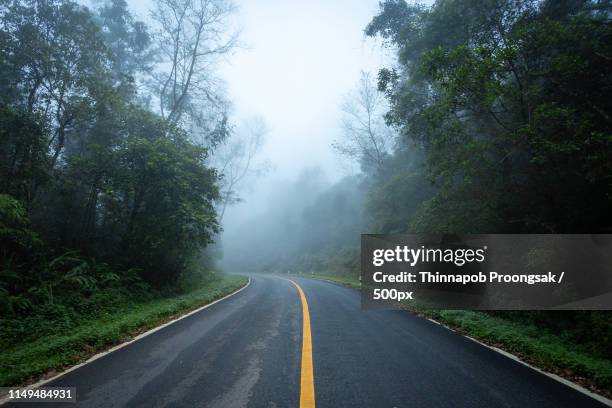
{"x":27,"y":362}
{"x":531,"y":343}
{"x":347,"y":280}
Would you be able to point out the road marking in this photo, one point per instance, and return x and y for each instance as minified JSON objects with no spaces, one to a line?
{"x":555,"y":377}
{"x":307,"y":395}
{"x":122,"y":345}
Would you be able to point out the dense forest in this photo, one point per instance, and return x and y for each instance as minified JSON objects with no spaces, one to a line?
{"x":119,"y":156}
{"x":508,"y":103}
{"x":109,"y":137}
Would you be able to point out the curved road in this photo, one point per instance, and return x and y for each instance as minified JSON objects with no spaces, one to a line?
{"x":245,"y":351}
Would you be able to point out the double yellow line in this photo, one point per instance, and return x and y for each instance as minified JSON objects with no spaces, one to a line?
{"x":307,"y":395}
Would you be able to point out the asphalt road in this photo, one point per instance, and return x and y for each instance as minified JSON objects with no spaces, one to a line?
{"x":246,"y":352}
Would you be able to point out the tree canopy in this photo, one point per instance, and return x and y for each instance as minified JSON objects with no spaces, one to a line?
{"x":508,"y":101}
{"x":91,"y":176}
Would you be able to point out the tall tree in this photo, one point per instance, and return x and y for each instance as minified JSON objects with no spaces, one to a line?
{"x":192,"y":36}
{"x":508,"y":101}
{"x":55,"y":62}
{"x":128,"y":39}
{"x":115,"y":182}
{"x":234,"y":158}
{"x":366,"y":137}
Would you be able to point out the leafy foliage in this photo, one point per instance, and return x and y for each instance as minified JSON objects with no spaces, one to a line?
{"x":508,"y":101}
{"x":60,"y":335}
{"x":506,"y":104}
{"x":97,"y":193}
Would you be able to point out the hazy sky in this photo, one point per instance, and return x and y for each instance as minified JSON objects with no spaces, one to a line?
{"x":300,"y":58}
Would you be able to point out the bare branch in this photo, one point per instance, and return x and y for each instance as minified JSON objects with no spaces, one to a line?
{"x":192,"y":36}
{"x":366,"y":138}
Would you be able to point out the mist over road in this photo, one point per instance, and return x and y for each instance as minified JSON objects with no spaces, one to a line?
{"x":246,"y":351}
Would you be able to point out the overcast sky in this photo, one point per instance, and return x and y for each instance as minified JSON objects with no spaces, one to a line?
{"x":300,"y":59}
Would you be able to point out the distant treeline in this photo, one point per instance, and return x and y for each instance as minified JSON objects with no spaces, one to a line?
{"x":498,"y":120}
{"x":96,"y":189}
{"x":308,"y":225}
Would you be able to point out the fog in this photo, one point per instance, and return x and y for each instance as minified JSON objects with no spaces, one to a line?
{"x":299,"y":61}
{"x":297,"y":64}
{"x":149,"y":146}
{"x":294,"y":66}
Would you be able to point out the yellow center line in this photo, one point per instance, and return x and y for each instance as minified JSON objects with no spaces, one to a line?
{"x":307,"y":395}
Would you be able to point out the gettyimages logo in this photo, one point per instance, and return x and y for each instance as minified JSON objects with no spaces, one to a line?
{"x":538,"y":271}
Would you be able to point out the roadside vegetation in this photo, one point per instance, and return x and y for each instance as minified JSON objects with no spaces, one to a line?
{"x":575,"y":354}
{"x":118,"y":158}
{"x":65,"y":334}
{"x":110,"y":188}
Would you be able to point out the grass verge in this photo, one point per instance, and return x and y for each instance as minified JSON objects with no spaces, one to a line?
{"x":534,"y":345}
{"x":42,"y":358}
{"x":347,"y":280}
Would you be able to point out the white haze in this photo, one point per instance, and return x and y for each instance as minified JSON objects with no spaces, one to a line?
{"x":300,"y":60}
{"x":297,"y":62}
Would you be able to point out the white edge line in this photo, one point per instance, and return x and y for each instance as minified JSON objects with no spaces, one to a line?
{"x":127,"y":343}
{"x":556,"y":377}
